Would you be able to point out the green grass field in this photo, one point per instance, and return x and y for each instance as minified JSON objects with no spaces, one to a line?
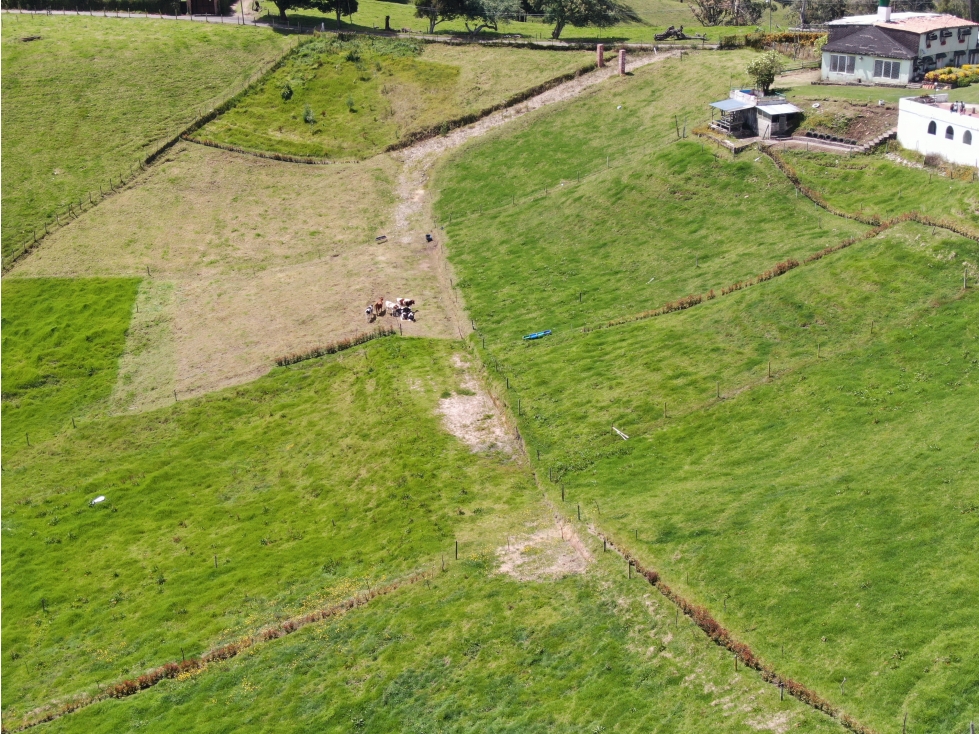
{"x":877,"y":186}
{"x":829,"y":509}
{"x":648,"y":228}
{"x":61,"y":341}
{"x":303,"y":486}
{"x":227,"y":513}
{"x":475,"y":652}
{"x":800,"y":458}
{"x":351,"y":99}
{"x":94,"y":95}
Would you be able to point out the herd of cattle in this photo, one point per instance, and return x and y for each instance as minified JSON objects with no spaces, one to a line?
{"x":400,"y":309}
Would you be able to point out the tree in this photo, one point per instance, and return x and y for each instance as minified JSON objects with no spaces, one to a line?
{"x":581,"y":13}
{"x":958,"y":8}
{"x":764,"y":69}
{"x":338,"y":7}
{"x":727,"y":12}
{"x":485,"y":14}
{"x":285,"y":5}
{"x":439,"y":11}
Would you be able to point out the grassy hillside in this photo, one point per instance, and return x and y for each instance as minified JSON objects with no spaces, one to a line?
{"x":225,"y":512}
{"x":828,"y":508}
{"x":93,"y":95}
{"x":61,"y":341}
{"x":351,"y":99}
{"x":665,"y":219}
{"x":877,"y":186}
{"x":474,"y":651}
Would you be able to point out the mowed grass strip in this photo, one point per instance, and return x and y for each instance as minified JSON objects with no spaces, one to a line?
{"x":93,"y":95}
{"x":476,"y":651}
{"x":223,"y":514}
{"x":62,"y":340}
{"x":353,"y":98}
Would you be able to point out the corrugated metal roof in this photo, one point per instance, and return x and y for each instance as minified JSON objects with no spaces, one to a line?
{"x":730,"y":105}
{"x":778,"y":109}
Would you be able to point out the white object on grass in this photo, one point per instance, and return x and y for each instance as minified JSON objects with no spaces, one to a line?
{"x":650,"y":281}
{"x":621,"y":435}
{"x":100,"y":498}
{"x":815,"y":105}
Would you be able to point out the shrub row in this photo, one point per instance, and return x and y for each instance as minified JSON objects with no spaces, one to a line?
{"x":444,"y":127}
{"x":762,"y":41}
{"x":873,"y":220}
{"x":129,"y":687}
{"x":149,"y":7}
{"x":334,"y":347}
{"x":686,"y":302}
{"x":702,"y":617}
{"x":307,"y":160}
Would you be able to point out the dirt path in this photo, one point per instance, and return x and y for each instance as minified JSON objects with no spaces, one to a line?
{"x":412,"y":214}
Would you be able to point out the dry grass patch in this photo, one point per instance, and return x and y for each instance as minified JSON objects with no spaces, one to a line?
{"x":265,"y":258}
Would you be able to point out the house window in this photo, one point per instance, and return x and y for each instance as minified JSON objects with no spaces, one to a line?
{"x":949,"y":133}
{"x":887,"y":69}
{"x":842,"y":64}
{"x":964,"y":33}
{"x":932,"y":128}
{"x":967,"y":138}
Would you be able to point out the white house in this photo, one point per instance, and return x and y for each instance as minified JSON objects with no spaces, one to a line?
{"x":930,"y":126}
{"x":898,"y":49}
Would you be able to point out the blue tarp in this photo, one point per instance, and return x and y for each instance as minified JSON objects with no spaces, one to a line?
{"x":730,"y":105}
{"x":538,"y":334}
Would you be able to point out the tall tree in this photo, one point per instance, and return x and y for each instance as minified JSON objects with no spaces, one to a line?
{"x":439,"y":11}
{"x":490,"y":14}
{"x":581,"y":13}
{"x":338,"y":7}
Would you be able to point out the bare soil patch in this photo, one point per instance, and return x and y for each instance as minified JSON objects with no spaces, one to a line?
{"x":858,"y":121}
{"x":471,"y":415}
{"x":550,"y":553}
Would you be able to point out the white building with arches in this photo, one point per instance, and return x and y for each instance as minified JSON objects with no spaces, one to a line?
{"x":932,"y":125}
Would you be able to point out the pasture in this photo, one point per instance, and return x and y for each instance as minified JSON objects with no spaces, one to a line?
{"x":797,"y":438}
{"x":472,"y":650}
{"x":351,"y":99}
{"x":819,"y":508}
{"x":266,"y":259}
{"x":93,"y":95}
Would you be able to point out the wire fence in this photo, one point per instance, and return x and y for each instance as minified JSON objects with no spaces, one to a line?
{"x":204,"y":113}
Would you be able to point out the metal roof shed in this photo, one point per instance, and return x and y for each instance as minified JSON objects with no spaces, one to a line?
{"x":730,"y":105}
{"x":770,"y":110}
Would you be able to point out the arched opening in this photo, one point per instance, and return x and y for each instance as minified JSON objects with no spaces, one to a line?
{"x":949,"y":133}
{"x":967,"y":138}
{"x":932,"y":128}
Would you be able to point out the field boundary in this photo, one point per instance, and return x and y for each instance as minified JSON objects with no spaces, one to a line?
{"x":336,"y":346}
{"x":444,"y":127}
{"x":189,"y":666}
{"x":702,"y":617}
{"x":202,"y":119}
{"x":417,"y":136}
